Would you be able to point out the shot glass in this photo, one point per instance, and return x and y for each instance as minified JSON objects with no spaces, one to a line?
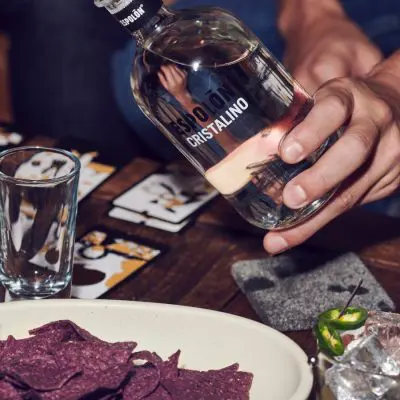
{"x":38,"y":207}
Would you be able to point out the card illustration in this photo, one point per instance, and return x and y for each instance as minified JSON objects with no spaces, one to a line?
{"x":96,"y":165}
{"x":104,"y":258}
{"x":171,"y":195}
{"x":46,"y":165}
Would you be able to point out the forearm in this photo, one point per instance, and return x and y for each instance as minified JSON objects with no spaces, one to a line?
{"x":295,"y":13}
{"x":5,"y":102}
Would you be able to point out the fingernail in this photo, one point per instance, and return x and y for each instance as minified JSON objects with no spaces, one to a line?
{"x":293,"y":152}
{"x":276,"y":244}
{"x":295,"y":196}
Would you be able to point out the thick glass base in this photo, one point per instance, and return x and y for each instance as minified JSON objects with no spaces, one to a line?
{"x":21,"y":290}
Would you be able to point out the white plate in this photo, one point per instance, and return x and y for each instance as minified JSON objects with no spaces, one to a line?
{"x":208,"y":339}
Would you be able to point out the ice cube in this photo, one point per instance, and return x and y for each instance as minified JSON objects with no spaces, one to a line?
{"x":350,"y":384}
{"x":380,"y":384}
{"x":370,"y":356}
{"x":346,"y":383}
{"x":387,"y":327}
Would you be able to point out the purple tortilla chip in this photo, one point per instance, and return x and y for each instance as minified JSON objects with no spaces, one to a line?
{"x":211,"y":374}
{"x":211,"y":385}
{"x":143,"y":382}
{"x":65,"y":362}
{"x":144,"y":355}
{"x":42,"y":374}
{"x":90,"y":383}
{"x":169,"y":368}
{"x":104,"y":366}
{"x":30,"y":395}
{"x":7,"y":391}
{"x":69,"y":330}
{"x":109,"y":396}
{"x":159,"y":394}
{"x":93,"y":356}
{"x":30,"y":348}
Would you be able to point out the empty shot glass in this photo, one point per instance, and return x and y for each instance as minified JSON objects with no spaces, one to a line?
{"x":38,"y":207}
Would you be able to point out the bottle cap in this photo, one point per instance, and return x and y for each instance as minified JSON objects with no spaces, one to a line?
{"x":131,"y":14}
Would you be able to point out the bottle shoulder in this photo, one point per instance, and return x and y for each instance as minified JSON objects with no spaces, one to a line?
{"x":206,"y":35}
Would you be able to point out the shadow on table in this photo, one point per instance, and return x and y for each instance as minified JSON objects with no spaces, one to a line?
{"x":354,"y":231}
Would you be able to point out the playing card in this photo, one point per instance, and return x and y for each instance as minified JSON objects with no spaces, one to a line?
{"x":103,"y":258}
{"x":132,"y":216}
{"x":171,"y":194}
{"x":96,"y":165}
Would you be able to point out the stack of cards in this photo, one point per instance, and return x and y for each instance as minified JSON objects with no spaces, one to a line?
{"x":103,"y":258}
{"x":168,"y":199}
{"x":96,"y":166}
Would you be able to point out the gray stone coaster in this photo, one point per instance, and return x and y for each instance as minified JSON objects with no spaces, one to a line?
{"x":290,"y":290}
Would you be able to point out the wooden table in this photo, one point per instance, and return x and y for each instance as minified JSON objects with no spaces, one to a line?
{"x":196,"y":269}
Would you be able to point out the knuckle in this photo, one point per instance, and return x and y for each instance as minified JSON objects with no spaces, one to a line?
{"x":318,"y":71}
{"x":316,"y":182}
{"x":338,"y":104}
{"x":338,"y":93}
{"x":346,"y":201}
{"x":383,"y":113}
{"x":362,"y":141}
{"x":344,"y":83}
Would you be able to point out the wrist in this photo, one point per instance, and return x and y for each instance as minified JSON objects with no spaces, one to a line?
{"x":302,"y":14}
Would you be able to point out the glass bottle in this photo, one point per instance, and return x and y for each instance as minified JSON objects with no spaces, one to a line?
{"x":214,"y":90}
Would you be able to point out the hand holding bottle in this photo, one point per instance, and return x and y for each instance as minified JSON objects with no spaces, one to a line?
{"x":365,"y":160}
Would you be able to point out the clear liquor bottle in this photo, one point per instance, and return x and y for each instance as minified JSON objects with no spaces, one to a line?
{"x":214,"y":90}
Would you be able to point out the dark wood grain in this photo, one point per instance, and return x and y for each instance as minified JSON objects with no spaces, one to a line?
{"x":195,"y":271}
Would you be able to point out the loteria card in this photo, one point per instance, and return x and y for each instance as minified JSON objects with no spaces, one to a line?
{"x":96,"y":166}
{"x":172,"y":195}
{"x":103,"y":258}
{"x":132,"y":216}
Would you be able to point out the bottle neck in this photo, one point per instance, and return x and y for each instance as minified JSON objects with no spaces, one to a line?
{"x":152,"y":25}
{"x":139,"y":17}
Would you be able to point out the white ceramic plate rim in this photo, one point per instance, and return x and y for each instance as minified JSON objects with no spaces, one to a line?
{"x":306,"y":379}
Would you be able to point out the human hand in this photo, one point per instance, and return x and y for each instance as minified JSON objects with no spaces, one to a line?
{"x":174,"y":80}
{"x":365,"y":160}
{"x":328,"y":48}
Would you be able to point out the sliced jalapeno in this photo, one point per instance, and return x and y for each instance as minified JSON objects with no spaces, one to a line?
{"x":352,"y":318}
{"x":329,"y":339}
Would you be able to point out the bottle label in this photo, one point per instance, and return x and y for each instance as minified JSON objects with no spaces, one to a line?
{"x":134,"y":14}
